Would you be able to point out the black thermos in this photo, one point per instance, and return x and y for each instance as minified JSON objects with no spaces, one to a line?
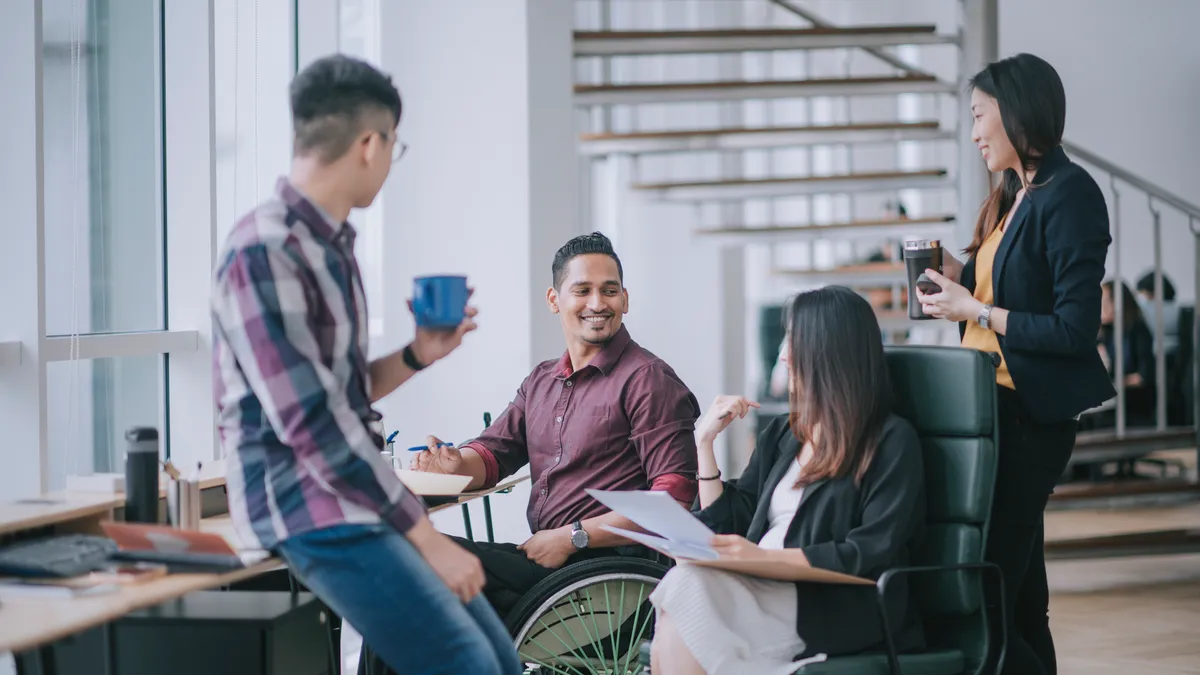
{"x":141,"y":475}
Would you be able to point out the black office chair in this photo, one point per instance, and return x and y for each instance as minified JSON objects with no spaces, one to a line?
{"x":949,"y":395}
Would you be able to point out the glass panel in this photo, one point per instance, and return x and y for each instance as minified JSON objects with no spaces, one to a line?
{"x":104,"y":252}
{"x":89,"y":407}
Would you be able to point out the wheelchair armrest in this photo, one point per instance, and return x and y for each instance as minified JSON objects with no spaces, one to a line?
{"x":989,"y":569}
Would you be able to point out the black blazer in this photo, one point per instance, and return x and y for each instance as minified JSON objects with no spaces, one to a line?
{"x":1047,"y":274}
{"x":860,"y":530}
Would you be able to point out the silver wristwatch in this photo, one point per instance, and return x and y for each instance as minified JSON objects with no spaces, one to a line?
{"x":985,"y":316}
{"x":579,"y":536}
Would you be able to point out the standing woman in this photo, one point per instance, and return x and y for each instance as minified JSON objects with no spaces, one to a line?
{"x":1030,"y":293}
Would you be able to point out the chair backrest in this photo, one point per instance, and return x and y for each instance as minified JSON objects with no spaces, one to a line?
{"x":949,"y":395}
{"x":771,"y":332}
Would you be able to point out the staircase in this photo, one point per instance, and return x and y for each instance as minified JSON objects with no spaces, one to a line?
{"x":911,"y":154}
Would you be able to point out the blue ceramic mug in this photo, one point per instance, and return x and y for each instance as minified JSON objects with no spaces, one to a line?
{"x":440,"y":301}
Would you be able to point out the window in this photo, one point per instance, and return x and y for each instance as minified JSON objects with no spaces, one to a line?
{"x":103,"y":266}
{"x":90,"y":405}
{"x":102,"y":142}
{"x":145,"y":117}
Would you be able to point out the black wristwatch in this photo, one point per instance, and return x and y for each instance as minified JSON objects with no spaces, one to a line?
{"x":410,"y":360}
{"x":579,"y":536}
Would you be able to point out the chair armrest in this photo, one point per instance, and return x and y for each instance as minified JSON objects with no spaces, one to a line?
{"x":989,"y":569}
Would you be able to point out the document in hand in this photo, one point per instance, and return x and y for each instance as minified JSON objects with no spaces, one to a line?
{"x":682,"y":536}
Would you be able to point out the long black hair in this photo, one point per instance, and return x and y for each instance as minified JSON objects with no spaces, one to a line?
{"x":841,"y":392}
{"x":1033,"y":109}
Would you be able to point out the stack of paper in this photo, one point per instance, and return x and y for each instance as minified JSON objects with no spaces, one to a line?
{"x":679,"y":534}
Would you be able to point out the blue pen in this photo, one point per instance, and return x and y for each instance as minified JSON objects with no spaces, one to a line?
{"x":418,"y":448}
{"x":391,"y":437}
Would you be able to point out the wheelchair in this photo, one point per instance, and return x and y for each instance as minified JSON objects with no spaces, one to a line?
{"x":588,"y":618}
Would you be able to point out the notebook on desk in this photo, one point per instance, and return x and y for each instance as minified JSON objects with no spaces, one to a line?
{"x":180,"y":550}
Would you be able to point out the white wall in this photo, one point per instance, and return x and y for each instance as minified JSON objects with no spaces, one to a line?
{"x":487,"y":189}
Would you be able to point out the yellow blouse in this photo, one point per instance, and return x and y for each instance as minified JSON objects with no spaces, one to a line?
{"x":976,"y":336}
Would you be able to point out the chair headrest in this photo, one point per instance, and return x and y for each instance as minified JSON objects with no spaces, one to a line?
{"x":944,"y":391}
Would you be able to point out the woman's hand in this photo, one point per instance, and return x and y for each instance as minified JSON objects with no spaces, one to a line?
{"x":720,"y":415}
{"x":734,"y":547}
{"x":953,"y":303}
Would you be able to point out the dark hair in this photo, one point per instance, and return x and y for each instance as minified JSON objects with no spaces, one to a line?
{"x":1146,"y":285}
{"x":584,"y":244}
{"x":1131,"y":312}
{"x":1033,"y":109}
{"x":332,"y":100}
{"x":841,"y":387}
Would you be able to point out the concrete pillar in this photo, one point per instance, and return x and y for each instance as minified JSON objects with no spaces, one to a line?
{"x":980,"y":39}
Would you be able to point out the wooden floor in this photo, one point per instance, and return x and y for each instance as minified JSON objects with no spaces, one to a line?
{"x":1134,"y":616}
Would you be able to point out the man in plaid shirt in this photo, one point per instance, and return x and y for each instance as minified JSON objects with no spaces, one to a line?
{"x":294,"y":391}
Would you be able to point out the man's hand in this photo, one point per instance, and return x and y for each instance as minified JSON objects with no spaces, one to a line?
{"x":461,"y":571}
{"x":439,"y":457}
{"x":549,"y":548}
{"x":430,"y":346}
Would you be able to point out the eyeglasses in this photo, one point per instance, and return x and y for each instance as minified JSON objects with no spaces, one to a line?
{"x":399,"y":147}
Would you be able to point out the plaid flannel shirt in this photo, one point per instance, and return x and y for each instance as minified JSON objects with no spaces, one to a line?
{"x":291,"y":379}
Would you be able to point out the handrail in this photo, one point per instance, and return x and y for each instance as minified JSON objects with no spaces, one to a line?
{"x":818,"y":22}
{"x":1133,"y":179}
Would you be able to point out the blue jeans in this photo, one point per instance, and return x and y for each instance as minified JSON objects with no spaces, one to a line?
{"x":373,"y":577}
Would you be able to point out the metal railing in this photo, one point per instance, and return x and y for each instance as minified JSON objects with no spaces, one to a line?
{"x":1155,"y":195}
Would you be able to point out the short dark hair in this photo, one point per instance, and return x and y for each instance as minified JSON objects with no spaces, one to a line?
{"x":331,"y":100}
{"x":584,"y":244}
{"x":1146,"y":285}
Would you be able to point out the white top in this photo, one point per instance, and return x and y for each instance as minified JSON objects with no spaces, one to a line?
{"x":784,"y":503}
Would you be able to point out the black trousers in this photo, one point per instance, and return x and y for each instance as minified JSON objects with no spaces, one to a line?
{"x":1032,"y":458}
{"x":510,"y":575}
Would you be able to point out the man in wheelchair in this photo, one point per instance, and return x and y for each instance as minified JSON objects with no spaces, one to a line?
{"x":607,"y":415}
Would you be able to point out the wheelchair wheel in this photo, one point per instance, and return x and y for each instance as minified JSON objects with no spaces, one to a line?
{"x":587,"y":619}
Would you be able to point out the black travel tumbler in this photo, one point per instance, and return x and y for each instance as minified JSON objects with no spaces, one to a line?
{"x":141,"y":475}
{"x":920,"y":255}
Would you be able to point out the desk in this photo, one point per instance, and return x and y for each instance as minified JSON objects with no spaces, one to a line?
{"x":486,"y":495}
{"x":26,"y":623}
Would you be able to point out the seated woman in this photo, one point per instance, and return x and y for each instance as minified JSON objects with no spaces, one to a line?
{"x":837,"y":484}
{"x":1138,"y":347}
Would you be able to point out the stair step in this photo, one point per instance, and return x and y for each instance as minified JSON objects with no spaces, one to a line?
{"x":1124,"y":493}
{"x":674,"y":92}
{"x":736,"y":190}
{"x":1158,"y":542}
{"x":1105,"y":446}
{"x":748,"y":138}
{"x":630,"y":43}
{"x":865,"y":274}
{"x":859,"y":229}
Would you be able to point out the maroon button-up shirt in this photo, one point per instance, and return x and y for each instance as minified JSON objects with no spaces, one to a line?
{"x":624,"y":422}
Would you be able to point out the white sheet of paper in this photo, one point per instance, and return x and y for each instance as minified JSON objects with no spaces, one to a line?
{"x":676,"y":550}
{"x":658,"y":512}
